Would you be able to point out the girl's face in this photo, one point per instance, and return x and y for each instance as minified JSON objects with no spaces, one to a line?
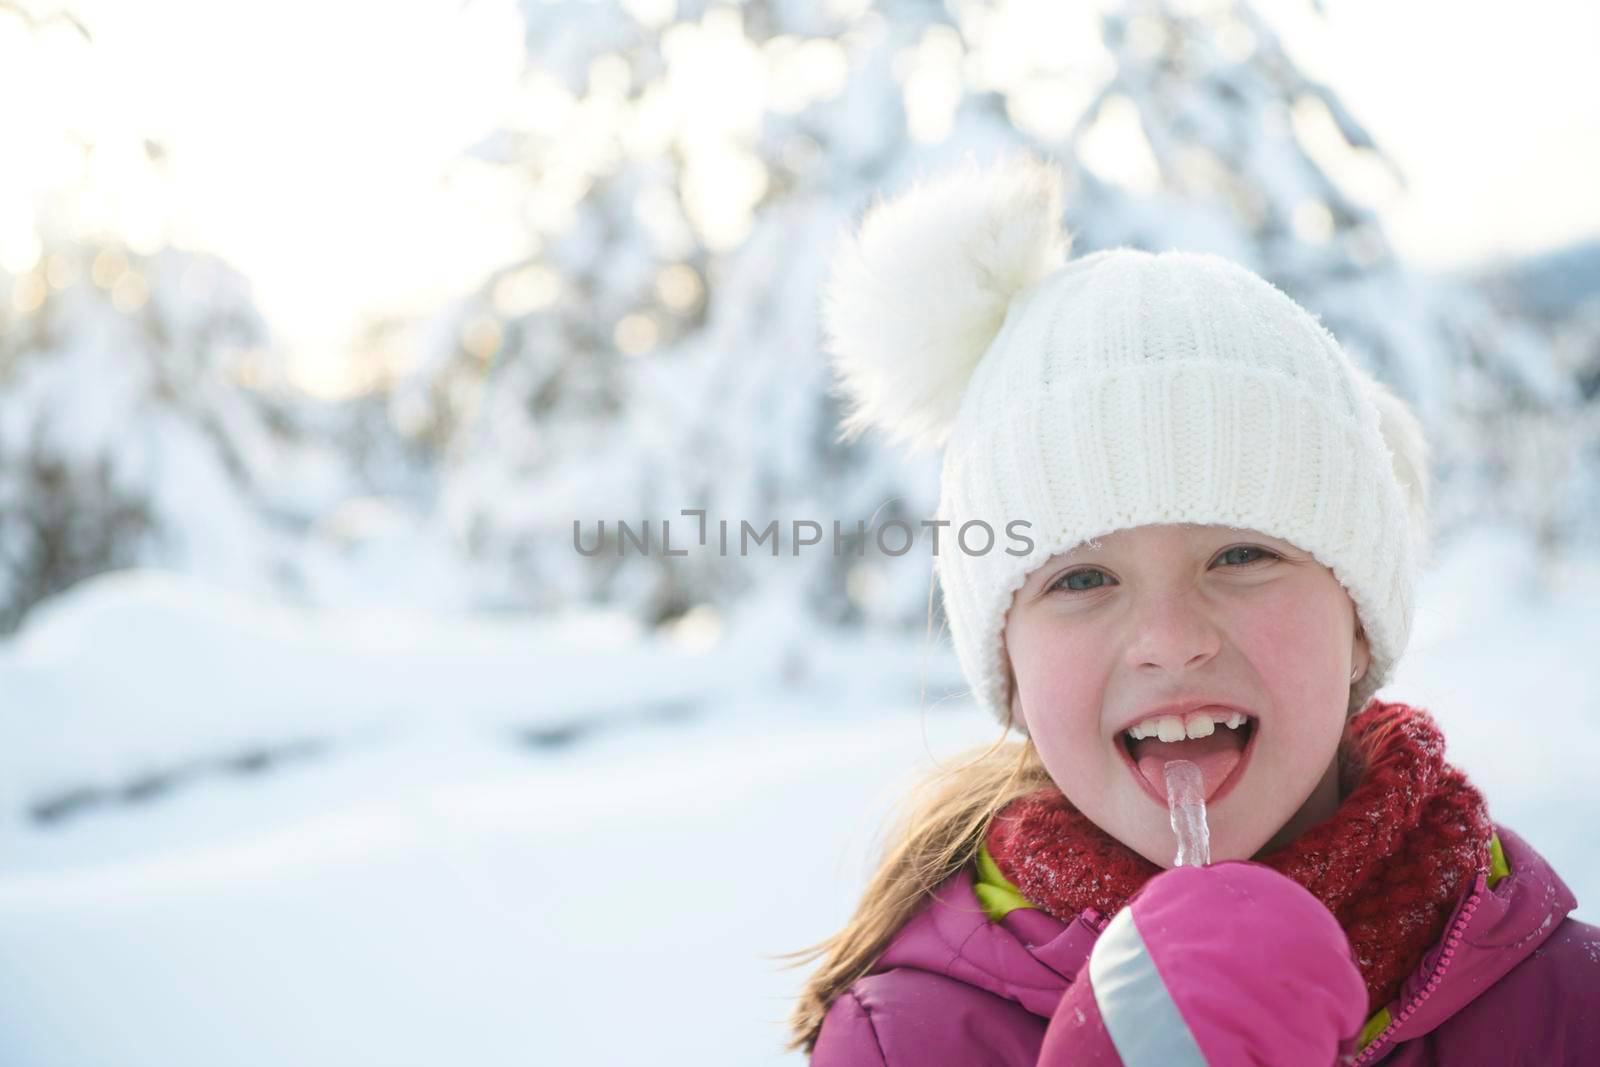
{"x":1101,"y":639}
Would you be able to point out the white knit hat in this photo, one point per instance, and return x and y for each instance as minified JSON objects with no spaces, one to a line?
{"x":1111,"y":391}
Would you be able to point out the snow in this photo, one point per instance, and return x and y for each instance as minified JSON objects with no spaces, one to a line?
{"x":562,"y":841}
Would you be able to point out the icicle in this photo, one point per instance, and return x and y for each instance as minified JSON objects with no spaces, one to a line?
{"x":1186,"y":801}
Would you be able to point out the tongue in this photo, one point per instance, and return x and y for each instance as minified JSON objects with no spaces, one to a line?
{"x":1216,"y":757}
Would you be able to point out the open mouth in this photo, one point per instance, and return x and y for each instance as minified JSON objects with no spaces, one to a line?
{"x":1220,"y":751}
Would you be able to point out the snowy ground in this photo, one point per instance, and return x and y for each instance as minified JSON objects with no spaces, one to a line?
{"x":233,"y":834}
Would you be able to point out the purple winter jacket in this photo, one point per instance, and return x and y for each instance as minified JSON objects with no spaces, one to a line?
{"x":1511,"y":981}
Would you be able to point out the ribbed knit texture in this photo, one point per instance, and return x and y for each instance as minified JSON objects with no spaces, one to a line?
{"x":1129,"y":388}
{"x":1408,"y":839}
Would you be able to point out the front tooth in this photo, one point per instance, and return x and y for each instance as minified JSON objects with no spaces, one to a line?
{"x":1199,"y":726}
{"x":1170,"y":728}
{"x":1235,"y":720}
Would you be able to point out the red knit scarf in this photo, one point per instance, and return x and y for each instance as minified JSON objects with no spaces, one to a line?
{"x":1408,"y":839}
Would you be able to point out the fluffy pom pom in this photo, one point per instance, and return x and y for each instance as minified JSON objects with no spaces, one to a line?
{"x":918,"y":292}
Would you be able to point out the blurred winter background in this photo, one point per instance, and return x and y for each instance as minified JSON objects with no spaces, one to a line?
{"x":321,"y":324}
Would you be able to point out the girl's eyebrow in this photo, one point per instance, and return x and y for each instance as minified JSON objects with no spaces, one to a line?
{"x":1071,"y":555}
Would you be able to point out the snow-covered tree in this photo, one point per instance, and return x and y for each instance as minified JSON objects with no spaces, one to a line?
{"x":145,"y":414}
{"x":657,"y":350}
{"x":128,"y":432}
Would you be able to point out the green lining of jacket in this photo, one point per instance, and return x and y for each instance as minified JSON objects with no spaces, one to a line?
{"x":1498,"y":868}
{"x":999,"y":897}
{"x":1375,"y":1026}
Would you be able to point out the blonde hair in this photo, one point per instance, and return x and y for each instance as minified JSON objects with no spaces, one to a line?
{"x":942,"y":823}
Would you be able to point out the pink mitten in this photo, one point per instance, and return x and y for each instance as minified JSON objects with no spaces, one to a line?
{"x":1228,"y":964}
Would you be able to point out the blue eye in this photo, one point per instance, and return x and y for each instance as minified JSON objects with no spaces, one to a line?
{"x":1061,"y":583}
{"x":1249,"y":548}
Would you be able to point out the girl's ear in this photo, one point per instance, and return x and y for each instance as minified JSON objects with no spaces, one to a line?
{"x":1360,"y":653}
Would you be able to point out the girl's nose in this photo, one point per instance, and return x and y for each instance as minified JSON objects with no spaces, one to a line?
{"x":1171,"y":633}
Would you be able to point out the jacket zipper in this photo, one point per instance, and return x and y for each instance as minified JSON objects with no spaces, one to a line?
{"x":1451,"y":943}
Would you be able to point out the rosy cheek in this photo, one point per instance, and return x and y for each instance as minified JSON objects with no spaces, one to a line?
{"x":1055,"y":662}
{"x":1281,"y":629}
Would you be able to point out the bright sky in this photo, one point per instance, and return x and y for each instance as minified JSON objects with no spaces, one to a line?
{"x":1491,"y":110}
{"x":309,"y":142}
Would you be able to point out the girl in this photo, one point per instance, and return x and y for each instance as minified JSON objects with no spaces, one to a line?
{"x":1222,"y":520}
